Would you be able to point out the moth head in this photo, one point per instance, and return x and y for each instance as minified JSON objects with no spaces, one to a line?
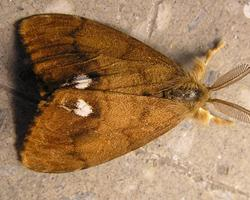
{"x":196,"y":95}
{"x":230,"y":109}
{"x":187,"y":90}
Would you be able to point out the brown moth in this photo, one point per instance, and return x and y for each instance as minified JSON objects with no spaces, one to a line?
{"x":106,"y":93}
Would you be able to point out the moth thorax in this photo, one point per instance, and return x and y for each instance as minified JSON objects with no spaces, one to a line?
{"x":183,"y":94}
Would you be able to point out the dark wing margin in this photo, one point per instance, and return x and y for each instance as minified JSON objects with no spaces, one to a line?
{"x":61,"y":141}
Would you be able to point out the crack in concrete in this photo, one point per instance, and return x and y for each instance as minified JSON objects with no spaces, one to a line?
{"x":196,"y":176}
{"x":154,"y":14}
{"x":3,"y":117}
{"x":197,"y":20}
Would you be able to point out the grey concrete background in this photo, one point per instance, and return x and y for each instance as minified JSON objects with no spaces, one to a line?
{"x":192,"y":161}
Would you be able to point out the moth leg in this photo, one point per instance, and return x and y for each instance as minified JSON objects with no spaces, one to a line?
{"x":220,"y":121}
{"x":199,"y":68}
{"x":206,"y":117}
{"x":211,"y":52}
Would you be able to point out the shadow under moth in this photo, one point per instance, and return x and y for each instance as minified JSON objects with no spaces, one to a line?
{"x":105,"y":93}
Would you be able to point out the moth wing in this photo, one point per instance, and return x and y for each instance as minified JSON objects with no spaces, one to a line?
{"x":63,"y":139}
{"x":64,"y":46}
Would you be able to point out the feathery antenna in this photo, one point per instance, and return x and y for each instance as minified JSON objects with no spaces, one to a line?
{"x":231,"y":77}
{"x":232,"y":110}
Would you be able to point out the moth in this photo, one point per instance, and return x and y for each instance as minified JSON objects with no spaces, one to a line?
{"x":104,"y":93}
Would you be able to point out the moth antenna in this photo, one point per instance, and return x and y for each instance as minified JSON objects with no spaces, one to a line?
{"x":231,"y":77}
{"x":232,"y":110}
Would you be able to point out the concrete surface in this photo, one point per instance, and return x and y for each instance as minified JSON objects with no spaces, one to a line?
{"x":193,"y":161}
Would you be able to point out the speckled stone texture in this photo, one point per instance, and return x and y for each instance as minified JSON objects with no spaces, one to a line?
{"x":192,"y":161}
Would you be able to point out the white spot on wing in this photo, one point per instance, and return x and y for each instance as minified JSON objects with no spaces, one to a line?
{"x":82,"y":82}
{"x":82,"y":108}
